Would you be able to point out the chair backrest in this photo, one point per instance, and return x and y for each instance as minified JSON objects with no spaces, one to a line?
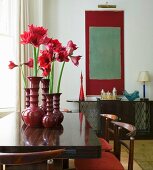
{"x":28,"y":157}
{"x":107,"y":124}
{"x":121,"y":130}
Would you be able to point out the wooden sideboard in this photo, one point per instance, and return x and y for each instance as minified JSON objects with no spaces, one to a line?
{"x":138,"y":113}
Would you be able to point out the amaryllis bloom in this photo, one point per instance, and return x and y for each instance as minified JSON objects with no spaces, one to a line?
{"x":45,"y":59}
{"x":35,"y":36}
{"x":61,"y":55}
{"x":29,"y":63}
{"x":70,"y":47}
{"x":37,"y":30}
{"x":75,"y":60}
{"x":12,"y":65}
{"x":53,"y":45}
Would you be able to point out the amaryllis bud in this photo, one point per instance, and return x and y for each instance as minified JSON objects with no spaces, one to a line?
{"x":29,"y":63}
{"x":12,"y":65}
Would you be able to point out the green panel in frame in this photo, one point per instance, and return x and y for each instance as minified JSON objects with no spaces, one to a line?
{"x":104,"y":54}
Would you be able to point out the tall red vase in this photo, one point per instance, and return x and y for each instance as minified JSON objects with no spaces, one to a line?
{"x":81,"y":96}
{"x":32,"y":116}
{"x":45,"y":90}
{"x":56,"y":107}
{"x":49,"y":120}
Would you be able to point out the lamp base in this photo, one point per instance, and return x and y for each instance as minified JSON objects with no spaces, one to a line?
{"x":144,"y":99}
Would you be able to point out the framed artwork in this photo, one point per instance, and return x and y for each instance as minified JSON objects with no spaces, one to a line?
{"x":104,"y":51}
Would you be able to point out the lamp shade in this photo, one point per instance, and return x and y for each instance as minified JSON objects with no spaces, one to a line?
{"x":144,"y":76}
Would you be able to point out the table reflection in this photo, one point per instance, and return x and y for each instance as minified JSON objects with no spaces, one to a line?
{"x":41,"y":136}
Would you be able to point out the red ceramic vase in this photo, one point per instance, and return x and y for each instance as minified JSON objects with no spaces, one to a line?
{"x":32,"y":116}
{"x":49,"y":120}
{"x":45,"y":90}
{"x":56,"y":107}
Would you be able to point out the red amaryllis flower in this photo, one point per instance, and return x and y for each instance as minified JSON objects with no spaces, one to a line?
{"x":35,"y":36}
{"x":53,"y":45}
{"x":29,"y":63}
{"x":75,"y":60}
{"x":37,"y":30}
{"x":70,"y":47}
{"x":44,"y":59}
{"x":61,"y":55}
{"x":12,"y":65}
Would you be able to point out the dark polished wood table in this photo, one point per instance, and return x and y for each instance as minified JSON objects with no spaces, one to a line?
{"x":75,"y":135}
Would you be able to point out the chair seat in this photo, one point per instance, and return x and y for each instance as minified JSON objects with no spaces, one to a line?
{"x":107,"y":162}
{"x":105,"y":145}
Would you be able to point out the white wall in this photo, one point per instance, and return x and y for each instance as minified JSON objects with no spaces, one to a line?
{"x":65,"y":20}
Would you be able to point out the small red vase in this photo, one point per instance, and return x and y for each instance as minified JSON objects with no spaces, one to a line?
{"x":45,"y":90}
{"x":32,"y":116}
{"x":49,"y":120}
{"x":81,"y":96}
{"x":56,"y":107}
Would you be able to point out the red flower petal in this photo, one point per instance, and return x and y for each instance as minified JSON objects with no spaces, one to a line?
{"x":75,"y":60}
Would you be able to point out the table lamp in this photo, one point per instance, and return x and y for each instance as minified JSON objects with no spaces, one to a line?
{"x":144,"y":77}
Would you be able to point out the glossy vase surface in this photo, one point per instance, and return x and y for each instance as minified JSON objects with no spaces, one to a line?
{"x":32,"y":116}
{"x":49,"y":120}
{"x":27,"y":97}
{"x":45,"y":90}
{"x":56,"y":107}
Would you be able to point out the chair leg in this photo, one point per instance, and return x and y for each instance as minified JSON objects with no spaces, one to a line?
{"x":1,"y":167}
{"x":65,"y":163}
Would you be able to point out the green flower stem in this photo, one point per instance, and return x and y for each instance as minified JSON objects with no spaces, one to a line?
{"x":24,"y":79}
{"x":35,"y":57}
{"x":60,"y":77}
{"x":51,"y":79}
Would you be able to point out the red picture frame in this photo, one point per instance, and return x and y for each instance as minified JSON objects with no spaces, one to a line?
{"x":104,"y":19}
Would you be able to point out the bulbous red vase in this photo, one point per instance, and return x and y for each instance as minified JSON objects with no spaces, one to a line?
{"x":32,"y":116}
{"x":56,"y":107}
{"x":45,"y":90}
{"x":49,"y":120}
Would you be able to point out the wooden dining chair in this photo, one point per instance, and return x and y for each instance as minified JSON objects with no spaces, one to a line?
{"x":109,"y":160}
{"x":106,"y":119}
{"x":129,"y":145}
{"x":30,"y":160}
